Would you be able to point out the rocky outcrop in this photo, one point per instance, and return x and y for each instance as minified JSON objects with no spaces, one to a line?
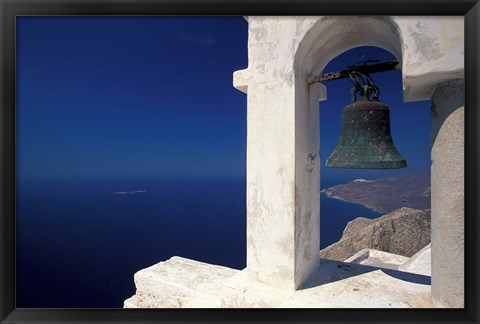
{"x":404,"y":231}
{"x":386,"y":194}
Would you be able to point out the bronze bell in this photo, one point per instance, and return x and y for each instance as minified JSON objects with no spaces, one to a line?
{"x":365,"y":141}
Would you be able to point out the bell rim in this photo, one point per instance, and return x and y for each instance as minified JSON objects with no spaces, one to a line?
{"x":396,"y":164}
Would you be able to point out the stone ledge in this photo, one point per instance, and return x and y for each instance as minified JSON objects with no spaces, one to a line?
{"x":377,"y":258}
{"x":177,"y":283}
{"x":420,"y":263}
{"x":184,"y":283}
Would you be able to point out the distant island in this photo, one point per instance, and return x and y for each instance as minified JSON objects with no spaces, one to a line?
{"x":129,"y":192}
{"x":386,"y":194}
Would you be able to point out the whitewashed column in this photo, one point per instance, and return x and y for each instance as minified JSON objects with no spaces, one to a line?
{"x":282,"y":158}
{"x":447,"y":122}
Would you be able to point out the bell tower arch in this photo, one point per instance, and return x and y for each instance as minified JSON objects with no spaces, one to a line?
{"x":283,"y":166}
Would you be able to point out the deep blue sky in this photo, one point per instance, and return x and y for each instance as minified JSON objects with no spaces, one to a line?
{"x":153,"y":97}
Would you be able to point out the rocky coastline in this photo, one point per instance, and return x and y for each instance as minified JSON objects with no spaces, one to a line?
{"x":385,"y":194}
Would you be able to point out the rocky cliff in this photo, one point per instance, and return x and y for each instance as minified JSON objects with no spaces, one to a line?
{"x":404,"y":231}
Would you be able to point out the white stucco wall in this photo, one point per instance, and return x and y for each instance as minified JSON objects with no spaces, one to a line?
{"x":283,"y":200}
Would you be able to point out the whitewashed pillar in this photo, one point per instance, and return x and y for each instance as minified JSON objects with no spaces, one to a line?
{"x":282,"y":158}
{"x":447,"y":130}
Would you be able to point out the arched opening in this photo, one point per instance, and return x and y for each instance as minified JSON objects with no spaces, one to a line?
{"x":363,"y":196}
{"x":326,"y":39}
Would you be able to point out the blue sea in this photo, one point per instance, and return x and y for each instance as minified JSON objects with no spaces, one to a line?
{"x":80,"y":242}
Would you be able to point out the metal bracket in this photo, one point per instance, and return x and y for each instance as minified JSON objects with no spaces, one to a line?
{"x":363,"y":69}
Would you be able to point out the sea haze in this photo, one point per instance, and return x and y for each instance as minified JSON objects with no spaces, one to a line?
{"x":80,"y":242}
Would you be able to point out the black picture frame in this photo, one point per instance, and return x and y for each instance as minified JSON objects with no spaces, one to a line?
{"x":9,"y":9}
